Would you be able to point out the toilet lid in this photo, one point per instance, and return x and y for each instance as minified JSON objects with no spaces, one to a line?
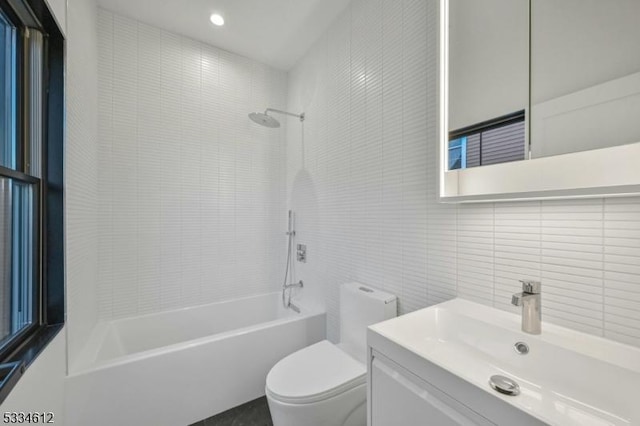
{"x":315,"y":373}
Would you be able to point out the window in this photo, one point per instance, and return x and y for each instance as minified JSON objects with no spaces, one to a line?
{"x":31,"y":123}
{"x":19,"y":262}
{"x":8,"y":70}
{"x":458,"y":153}
{"x":17,"y":207}
{"x":492,"y":142}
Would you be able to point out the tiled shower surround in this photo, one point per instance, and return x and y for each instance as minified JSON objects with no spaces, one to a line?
{"x":81,"y":175}
{"x":363,"y":177}
{"x":190,"y":192}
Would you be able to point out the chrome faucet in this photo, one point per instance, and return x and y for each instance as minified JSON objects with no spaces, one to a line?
{"x":529,"y":299}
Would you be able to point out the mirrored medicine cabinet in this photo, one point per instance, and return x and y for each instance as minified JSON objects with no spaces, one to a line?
{"x":539,"y":99}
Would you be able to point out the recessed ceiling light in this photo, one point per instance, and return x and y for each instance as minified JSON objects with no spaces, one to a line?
{"x":217,"y":19}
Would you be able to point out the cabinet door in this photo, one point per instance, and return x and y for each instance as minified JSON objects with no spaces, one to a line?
{"x":400,"y":398}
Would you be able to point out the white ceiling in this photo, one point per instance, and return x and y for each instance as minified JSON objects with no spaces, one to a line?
{"x":275,"y":32}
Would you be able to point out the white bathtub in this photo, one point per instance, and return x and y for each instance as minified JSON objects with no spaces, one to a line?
{"x":179,"y":367}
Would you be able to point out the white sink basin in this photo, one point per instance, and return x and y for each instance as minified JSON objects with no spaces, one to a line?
{"x":567,"y":378}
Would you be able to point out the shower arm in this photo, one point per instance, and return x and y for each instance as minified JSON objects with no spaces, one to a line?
{"x":299,"y":116}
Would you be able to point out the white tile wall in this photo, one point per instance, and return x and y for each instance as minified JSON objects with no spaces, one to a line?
{"x":363,"y":178}
{"x":81,"y":176}
{"x":191,"y":193}
{"x":621,"y":254}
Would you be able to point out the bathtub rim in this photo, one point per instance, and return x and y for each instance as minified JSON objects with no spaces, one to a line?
{"x":86,"y":361}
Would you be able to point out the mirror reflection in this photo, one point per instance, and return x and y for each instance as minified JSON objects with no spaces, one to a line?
{"x":585,"y":75}
{"x":488,"y":82}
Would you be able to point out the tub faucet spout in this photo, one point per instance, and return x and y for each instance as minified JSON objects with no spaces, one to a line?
{"x":299,"y":284}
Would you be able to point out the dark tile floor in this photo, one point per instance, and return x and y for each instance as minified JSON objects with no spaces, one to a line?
{"x":254,"y":413}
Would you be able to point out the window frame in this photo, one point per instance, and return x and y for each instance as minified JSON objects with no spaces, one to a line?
{"x":17,"y":339}
{"x":19,"y":175}
{"x":19,"y":350}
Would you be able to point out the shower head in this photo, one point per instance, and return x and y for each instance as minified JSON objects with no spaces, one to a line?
{"x":264,"y":119}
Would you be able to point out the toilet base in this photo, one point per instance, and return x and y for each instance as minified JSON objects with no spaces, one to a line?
{"x":346,"y":409}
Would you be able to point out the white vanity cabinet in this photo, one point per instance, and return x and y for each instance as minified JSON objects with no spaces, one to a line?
{"x":443,"y":366}
{"x":399,"y":397}
{"x":407,"y":390}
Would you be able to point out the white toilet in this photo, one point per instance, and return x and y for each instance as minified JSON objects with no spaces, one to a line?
{"x":325,"y":384}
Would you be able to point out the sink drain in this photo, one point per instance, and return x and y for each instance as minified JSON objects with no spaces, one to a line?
{"x":504,"y":385}
{"x":521,"y":348}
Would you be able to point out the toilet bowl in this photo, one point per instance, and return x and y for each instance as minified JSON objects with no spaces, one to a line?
{"x":325,"y":384}
{"x":318,"y":385}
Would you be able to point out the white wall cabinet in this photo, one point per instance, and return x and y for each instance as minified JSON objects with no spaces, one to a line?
{"x":582,"y":112}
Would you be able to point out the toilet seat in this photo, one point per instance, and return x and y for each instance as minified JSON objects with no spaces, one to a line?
{"x":313,"y":374}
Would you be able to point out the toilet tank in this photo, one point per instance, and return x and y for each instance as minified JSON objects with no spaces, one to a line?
{"x":360,"y":307}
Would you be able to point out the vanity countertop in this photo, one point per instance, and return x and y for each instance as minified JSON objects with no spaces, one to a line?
{"x":566,"y":378}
